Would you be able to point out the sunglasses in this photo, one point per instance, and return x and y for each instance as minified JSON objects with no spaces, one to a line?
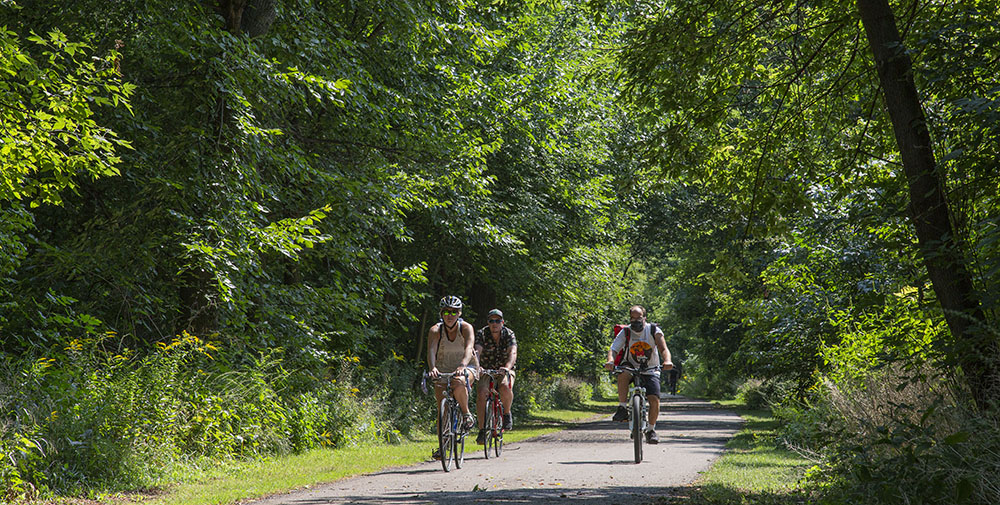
{"x":450,"y":312}
{"x":494,"y":321}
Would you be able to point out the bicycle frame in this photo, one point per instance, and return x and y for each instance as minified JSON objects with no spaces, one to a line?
{"x":451,"y":431}
{"x":493,"y":415}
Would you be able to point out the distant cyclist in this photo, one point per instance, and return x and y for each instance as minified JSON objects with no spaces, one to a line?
{"x":450,"y":349}
{"x":639,"y":339}
{"x":673,"y":377}
{"x":497,"y":349}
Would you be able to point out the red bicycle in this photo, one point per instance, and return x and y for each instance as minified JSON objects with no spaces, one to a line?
{"x":493,"y":439}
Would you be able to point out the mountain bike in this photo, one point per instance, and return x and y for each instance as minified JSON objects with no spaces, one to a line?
{"x":493,"y":418}
{"x":451,"y":431}
{"x":638,"y":407}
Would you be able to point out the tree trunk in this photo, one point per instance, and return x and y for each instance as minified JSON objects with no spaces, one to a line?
{"x":253,"y":17}
{"x":200,"y":315}
{"x":232,"y":13}
{"x":257,"y":17}
{"x":975,"y":350}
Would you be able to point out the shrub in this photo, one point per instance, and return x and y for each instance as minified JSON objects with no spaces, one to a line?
{"x":572,"y":392}
{"x":763,"y":394}
{"x":404,"y":406}
{"x":901,"y":437}
{"x":532,"y":393}
{"x":605,"y":389}
{"x":356,"y":409}
{"x":705,"y":382}
{"x":116,"y":420}
{"x":807,"y":425}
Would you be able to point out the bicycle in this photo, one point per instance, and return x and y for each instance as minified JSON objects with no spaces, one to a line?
{"x":673,"y":376}
{"x":450,"y":428}
{"x":493,"y":422}
{"x":638,"y":407}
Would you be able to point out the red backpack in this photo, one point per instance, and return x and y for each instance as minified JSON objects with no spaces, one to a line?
{"x":628,"y":336}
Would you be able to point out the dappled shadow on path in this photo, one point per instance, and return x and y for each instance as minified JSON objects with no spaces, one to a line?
{"x":673,"y":419}
{"x":542,"y":494}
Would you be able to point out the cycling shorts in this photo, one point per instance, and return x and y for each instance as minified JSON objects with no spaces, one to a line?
{"x":652,"y":384}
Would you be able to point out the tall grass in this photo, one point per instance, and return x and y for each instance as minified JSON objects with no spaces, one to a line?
{"x":93,"y":417}
{"x":899,"y":436}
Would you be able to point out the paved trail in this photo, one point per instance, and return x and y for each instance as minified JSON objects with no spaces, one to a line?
{"x":590,"y":463}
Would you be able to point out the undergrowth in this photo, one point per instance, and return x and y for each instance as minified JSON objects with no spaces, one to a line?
{"x":95,"y":418}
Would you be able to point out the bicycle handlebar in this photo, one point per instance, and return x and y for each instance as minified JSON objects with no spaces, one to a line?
{"x":625,"y":368}
{"x":494,"y":372}
{"x":441,"y":377}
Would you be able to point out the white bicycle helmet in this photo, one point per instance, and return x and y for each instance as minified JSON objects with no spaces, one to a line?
{"x":450,"y":302}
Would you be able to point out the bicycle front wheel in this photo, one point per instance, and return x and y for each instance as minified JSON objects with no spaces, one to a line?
{"x":637,"y":427}
{"x":446,"y":433}
{"x":459,"y":441}
{"x":489,"y":425}
{"x":498,"y":426}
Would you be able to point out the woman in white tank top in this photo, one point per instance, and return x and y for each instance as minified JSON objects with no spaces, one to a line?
{"x":450,"y":349}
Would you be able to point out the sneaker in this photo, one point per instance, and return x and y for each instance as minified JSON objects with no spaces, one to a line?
{"x":470,"y":421}
{"x":436,"y":454}
{"x":621,"y":415}
{"x":508,"y":422}
{"x":652,"y":437}
{"x":481,"y":437}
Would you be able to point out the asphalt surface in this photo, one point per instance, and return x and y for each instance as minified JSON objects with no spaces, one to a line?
{"x":589,"y":463}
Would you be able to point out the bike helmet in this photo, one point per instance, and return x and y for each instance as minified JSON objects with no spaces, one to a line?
{"x":450,"y":302}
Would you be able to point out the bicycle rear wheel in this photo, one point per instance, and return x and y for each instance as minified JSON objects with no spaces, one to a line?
{"x":637,"y":427}
{"x":446,"y":433}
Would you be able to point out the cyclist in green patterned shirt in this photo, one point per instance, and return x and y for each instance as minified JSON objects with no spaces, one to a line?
{"x":497,"y":350}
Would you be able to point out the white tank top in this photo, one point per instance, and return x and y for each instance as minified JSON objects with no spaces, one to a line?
{"x":450,"y":353}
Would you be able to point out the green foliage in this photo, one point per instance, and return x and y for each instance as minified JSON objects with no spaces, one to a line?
{"x":311,"y":189}
{"x":572,"y":392}
{"x":886,"y":419}
{"x":108,"y":418}
{"x":899,"y":437}
{"x":784,"y":125}
{"x":758,"y":394}
{"x":50,"y":138}
{"x":300,"y":198}
{"x":318,"y":187}
{"x":900,"y":331}
{"x":534,"y":392}
{"x":707,"y":381}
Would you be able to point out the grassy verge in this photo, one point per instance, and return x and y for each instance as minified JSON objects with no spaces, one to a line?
{"x":215,"y":483}
{"x":755,"y":470}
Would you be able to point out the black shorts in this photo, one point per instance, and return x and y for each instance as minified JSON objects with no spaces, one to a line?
{"x":652,"y":384}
